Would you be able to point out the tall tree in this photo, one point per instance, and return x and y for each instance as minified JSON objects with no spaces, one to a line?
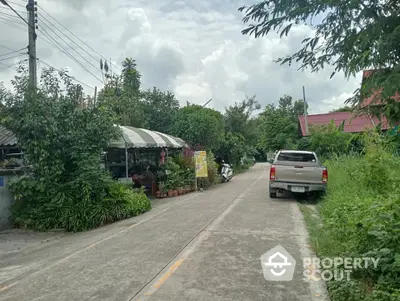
{"x":199,"y":126}
{"x":121,"y":94}
{"x":352,"y":37}
{"x":130,"y":75}
{"x":160,"y":109}
{"x":279,"y":128}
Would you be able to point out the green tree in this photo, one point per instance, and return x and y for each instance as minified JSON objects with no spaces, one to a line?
{"x":352,"y":37}
{"x":121,"y":95}
{"x":240,"y":125}
{"x":160,"y":109}
{"x":199,"y":126}
{"x":279,"y":124}
{"x":329,"y":139}
{"x":62,"y":142}
{"x":130,"y":75}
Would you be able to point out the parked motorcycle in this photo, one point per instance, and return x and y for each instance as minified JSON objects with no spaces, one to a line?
{"x":226,"y":172}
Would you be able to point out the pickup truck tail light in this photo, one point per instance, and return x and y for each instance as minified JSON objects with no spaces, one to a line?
{"x":272,"y":173}
{"x":324,"y":175}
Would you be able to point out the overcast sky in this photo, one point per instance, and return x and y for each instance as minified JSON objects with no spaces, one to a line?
{"x":192,"y":47}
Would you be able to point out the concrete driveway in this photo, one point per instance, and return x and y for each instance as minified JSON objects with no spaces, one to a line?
{"x":201,"y":246}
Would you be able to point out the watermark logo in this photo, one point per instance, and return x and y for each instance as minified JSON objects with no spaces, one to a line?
{"x":278,"y":265}
{"x":337,"y":268}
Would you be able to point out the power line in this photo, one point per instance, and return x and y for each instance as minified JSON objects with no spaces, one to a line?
{"x":6,"y":47}
{"x":9,"y":15}
{"x":71,"y":77}
{"x":7,"y":58}
{"x":10,"y":66}
{"x":11,"y":21}
{"x":15,"y":3}
{"x":12,"y":52}
{"x":67,"y":53}
{"x":96,"y":68}
{"x":76,"y":36}
{"x":91,"y":55}
{"x":6,"y":4}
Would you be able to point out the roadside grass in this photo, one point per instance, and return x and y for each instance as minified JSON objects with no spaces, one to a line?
{"x":360,"y":217}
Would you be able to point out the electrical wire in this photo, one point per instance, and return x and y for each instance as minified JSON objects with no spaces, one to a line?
{"x":7,"y":58}
{"x":91,"y":55}
{"x":5,"y":54}
{"x":57,"y":44}
{"x":9,"y":15}
{"x":6,"y":47}
{"x":71,"y":77}
{"x":10,"y":66}
{"x":15,"y":3}
{"x":101,"y":56}
{"x":7,"y":4}
{"x":46,"y":20}
{"x":11,"y":21}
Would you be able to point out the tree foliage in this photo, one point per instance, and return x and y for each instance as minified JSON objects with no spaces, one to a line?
{"x":159,"y":109}
{"x":280,"y":124}
{"x":62,"y":141}
{"x":352,"y":37}
{"x":199,"y":126}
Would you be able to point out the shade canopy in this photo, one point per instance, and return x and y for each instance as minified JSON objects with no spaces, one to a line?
{"x":141,"y":138}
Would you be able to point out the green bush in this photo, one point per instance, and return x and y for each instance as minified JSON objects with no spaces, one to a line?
{"x":361,"y":218}
{"x":75,"y":205}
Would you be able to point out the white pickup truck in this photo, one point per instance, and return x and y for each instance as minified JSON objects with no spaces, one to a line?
{"x":298,"y":172}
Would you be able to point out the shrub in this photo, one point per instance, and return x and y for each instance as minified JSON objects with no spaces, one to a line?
{"x":361,"y":218}
{"x":73,"y":206}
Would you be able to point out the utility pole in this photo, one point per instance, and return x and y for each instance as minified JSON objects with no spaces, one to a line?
{"x":207,"y":103}
{"x":31,"y":8}
{"x":305,"y":111}
{"x":95,"y":96}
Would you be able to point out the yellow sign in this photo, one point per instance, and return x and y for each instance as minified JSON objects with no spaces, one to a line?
{"x":201,"y":164}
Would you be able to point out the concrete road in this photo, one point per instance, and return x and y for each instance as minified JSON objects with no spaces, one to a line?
{"x":201,"y":246}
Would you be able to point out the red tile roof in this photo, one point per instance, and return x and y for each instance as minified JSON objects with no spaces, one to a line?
{"x":352,"y":123}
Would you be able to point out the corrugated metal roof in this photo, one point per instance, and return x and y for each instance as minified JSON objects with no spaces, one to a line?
{"x":143,"y":138}
{"x":7,"y":138}
{"x":352,"y":123}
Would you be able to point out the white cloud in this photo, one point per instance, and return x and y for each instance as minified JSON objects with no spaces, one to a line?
{"x":194,"y":48}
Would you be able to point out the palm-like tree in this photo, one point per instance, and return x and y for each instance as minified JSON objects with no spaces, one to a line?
{"x":130,"y":75}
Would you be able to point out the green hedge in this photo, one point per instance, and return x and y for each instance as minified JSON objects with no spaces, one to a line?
{"x":75,"y":206}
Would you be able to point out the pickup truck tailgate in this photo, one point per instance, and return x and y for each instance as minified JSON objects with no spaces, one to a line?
{"x":298,"y":173}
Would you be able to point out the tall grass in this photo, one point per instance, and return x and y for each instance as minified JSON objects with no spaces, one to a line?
{"x":361,"y":218}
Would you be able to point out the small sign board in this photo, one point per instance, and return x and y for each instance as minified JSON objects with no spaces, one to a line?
{"x":201,"y":164}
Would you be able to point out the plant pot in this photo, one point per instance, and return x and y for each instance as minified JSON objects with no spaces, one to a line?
{"x":158,"y":194}
{"x":170,"y":193}
{"x":175,"y":192}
